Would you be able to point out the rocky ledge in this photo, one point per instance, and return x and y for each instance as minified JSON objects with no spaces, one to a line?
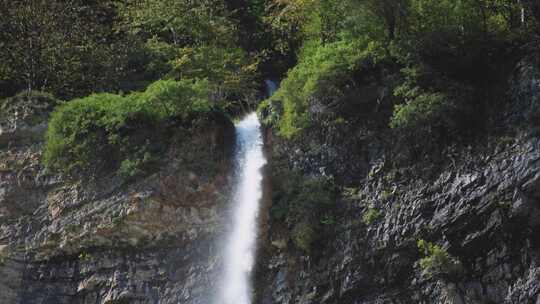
{"x":105,"y":239}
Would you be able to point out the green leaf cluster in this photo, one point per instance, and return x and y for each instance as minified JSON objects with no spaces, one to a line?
{"x":193,"y":39}
{"x":458,"y":48}
{"x":67,"y":48}
{"x":437,"y":262}
{"x":323,"y":71}
{"x":418,"y":111}
{"x":103,"y":130}
{"x":371,"y":215}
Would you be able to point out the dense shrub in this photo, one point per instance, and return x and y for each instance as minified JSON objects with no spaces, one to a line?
{"x":424,"y":109}
{"x":324,"y":71}
{"x":104,"y":130}
{"x":462,"y":52}
{"x":68,"y":48}
{"x":270,"y":112}
{"x":433,"y":109}
{"x":228,"y":68}
{"x":132,"y":167}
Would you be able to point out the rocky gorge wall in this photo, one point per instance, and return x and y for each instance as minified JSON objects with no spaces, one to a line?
{"x":154,"y":239}
{"x":478,"y":209}
{"x":107,"y":240}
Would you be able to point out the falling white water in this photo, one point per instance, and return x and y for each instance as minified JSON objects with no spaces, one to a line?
{"x":241,"y":243}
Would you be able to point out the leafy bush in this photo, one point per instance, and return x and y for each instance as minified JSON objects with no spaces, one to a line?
{"x":434,"y":109}
{"x":132,"y":167}
{"x":68,"y":48}
{"x":269,"y":112}
{"x":422,"y":110}
{"x":103,"y":130}
{"x":437,"y":261}
{"x":297,"y":197}
{"x":228,"y":68}
{"x":425,"y":105}
{"x":323,"y":71}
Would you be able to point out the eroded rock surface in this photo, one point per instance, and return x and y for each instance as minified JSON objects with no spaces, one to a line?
{"x":107,"y":240}
{"x":480,"y":204}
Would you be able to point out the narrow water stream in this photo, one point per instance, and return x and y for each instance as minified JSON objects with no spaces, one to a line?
{"x":239,"y":256}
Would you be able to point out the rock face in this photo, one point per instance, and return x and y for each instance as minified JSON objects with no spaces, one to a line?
{"x":106,"y":240}
{"x":476,"y":210}
{"x":480,"y":206}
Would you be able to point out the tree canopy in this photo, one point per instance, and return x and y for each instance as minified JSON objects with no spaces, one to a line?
{"x":74,"y":48}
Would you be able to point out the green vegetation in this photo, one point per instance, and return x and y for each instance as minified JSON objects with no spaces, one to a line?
{"x":425,"y":107}
{"x":192,"y":39}
{"x":229,"y":68}
{"x":85,"y":256}
{"x":386,"y":194}
{"x":442,"y":59}
{"x":437,"y":262}
{"x":68,"y":48}
{"x":107,"y":130}
{"x":371,"y":216}
{"x":75,"y":48}
{"x":322,"y":72}
{"x":4,"y":255}
{"x":130,"y":168}
{"x":435,"y":69}
{"x":305,"y":205}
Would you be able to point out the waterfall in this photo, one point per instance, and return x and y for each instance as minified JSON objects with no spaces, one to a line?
{"x":240,"y":246}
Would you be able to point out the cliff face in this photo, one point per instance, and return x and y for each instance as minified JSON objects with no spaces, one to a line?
{"x":346,"y":219}
{"x":107,"y":240}
{"x":463,"y":228}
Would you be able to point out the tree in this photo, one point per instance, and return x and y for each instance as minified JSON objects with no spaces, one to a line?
{"x":391,"y":13}
{"x":68,"y":48}
{"x":180,"y":22}
{"x":187,"y":39}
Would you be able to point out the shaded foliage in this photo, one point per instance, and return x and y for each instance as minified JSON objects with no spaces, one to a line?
{"x":437,"y":262}
{"x":108,"y":131}
{"x":305,"y":205}
{"x":448,"y":58}
{"x":69,"y":48}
